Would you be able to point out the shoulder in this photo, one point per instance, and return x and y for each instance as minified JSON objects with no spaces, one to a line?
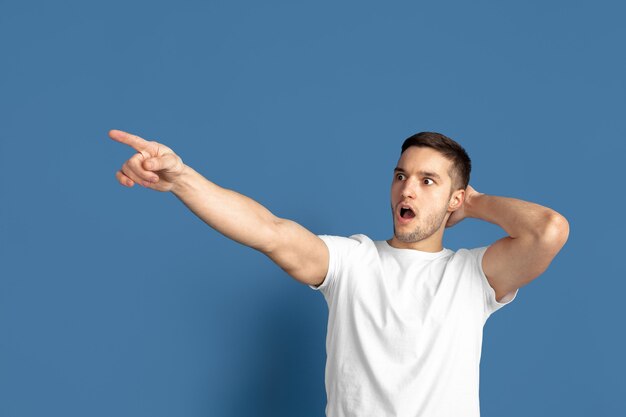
{"x":470,"y":257}
{"x":344,"y":253}
{"x":346,"y":242}
{"x":469,"y":253}
{"x":352,"y":247}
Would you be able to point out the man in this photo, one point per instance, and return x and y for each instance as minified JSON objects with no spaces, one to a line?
{"x":405,"y":315}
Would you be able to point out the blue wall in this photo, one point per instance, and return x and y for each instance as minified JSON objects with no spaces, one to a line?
{"x":117,"y":301}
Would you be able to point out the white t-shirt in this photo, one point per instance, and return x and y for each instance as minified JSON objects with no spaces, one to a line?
{"x":404,"y":329}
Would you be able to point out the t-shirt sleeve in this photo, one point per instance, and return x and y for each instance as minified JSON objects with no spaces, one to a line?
{"x":338,"y":250}
{"x":491,"y":304}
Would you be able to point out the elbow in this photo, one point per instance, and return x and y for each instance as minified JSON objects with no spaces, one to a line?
{"x":554,"y":232}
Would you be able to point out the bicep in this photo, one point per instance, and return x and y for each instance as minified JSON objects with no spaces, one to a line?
{"x":510,"y":263}
{"x":299,"y":252}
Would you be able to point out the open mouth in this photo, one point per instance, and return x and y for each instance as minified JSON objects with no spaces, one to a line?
{"x":406,"y":213}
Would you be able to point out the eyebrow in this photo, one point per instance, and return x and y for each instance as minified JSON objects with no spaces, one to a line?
{"x":422,"y":173}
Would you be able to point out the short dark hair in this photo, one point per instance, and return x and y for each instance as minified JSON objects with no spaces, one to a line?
{"x":461,"y":163}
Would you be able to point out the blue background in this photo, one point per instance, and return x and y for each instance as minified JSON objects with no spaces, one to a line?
{"x":119,"y":301}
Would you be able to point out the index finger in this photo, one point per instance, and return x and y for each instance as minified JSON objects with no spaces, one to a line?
{"x":139,"y":144}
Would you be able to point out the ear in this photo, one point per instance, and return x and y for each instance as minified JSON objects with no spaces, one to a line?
{"x":456,"y":200}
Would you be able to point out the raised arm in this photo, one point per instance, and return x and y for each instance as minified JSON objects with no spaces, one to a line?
{"x":535,"y":235}
{"x":296,"y":250}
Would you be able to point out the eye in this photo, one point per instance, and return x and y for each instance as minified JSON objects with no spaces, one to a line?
{"x":428,"y":179}
{"x":400,"y":177}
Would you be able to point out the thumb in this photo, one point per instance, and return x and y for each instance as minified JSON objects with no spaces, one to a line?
{"x":165,"y":162}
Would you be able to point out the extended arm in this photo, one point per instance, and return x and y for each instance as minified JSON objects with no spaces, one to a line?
{"x":296,"y":250}
{"x":535,"y":235}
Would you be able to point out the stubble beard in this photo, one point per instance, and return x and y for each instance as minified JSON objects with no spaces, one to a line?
{"x":430,"y":225}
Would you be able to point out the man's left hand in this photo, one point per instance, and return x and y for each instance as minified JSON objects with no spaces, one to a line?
{"x":461,"y":213}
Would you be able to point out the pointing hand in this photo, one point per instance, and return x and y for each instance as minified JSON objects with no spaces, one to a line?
{"x":154,"y":165}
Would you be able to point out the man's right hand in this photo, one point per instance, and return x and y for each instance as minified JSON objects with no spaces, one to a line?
{"x":154,"y":165}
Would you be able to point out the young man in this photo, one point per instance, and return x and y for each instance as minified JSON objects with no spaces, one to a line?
{"x":405,"y":315}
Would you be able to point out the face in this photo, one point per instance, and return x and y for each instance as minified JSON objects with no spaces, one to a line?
{"x":421,"y":195}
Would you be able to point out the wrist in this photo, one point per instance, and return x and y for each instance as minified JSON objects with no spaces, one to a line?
{"x":472,"y":202}
{"x":183,"y":180}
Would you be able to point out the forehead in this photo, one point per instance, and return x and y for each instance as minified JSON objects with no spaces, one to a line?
{"x":416,"y":159}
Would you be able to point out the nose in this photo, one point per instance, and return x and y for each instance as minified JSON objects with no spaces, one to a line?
{"x":408,"y":189}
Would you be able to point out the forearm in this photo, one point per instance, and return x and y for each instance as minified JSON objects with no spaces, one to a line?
{"x":518,"y":218}
{"x":232,"y":214}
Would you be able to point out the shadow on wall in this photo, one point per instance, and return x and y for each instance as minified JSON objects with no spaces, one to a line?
{"x":285,"y":358}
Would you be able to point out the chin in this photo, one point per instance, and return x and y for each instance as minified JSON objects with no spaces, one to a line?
{"x":409,"y":237}
{"x":417,"y":234}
